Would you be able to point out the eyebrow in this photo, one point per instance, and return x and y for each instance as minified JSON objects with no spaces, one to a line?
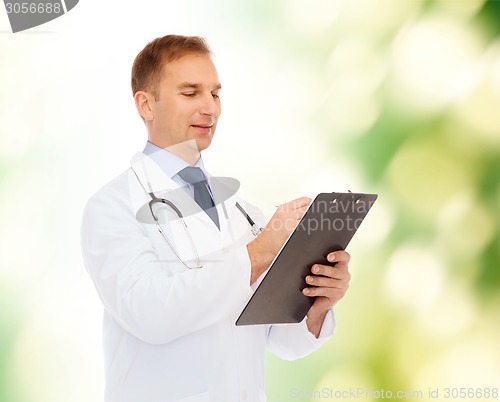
{"x":191,"y":85}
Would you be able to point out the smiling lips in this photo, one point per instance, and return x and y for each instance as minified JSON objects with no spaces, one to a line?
{"x":202,"y":128}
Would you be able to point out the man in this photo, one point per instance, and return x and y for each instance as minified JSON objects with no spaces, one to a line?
{"x":172,"y":293}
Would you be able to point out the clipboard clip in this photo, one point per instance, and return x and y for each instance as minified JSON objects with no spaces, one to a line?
{"x":359,"y":198}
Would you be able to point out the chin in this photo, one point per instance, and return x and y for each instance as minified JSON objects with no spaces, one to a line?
{"x":203,"y":143}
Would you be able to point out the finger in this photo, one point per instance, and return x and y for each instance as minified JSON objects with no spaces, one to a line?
{"x":327,"y":270}
{"x":331,"y":293}
{"x":326,"y":282}
{"x":293,"y":217}
{"x":337,"y":272}
{"x":339,"y":256}
{"x":302,"y":202}
{"x":298,"y":212}
{"x":341,"y":266}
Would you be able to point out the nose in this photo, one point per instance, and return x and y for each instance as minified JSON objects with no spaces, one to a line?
{"x":210,"y":106}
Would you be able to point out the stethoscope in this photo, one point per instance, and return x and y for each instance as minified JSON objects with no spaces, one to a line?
{"x":256,"y":230}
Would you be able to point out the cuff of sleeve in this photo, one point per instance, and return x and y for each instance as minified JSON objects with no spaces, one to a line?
{"x":244,"y":262}
{"x":327,"y":329}
{"x":293,"y":341}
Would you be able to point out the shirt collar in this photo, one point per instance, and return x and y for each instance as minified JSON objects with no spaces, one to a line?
{"x":170,"y":163}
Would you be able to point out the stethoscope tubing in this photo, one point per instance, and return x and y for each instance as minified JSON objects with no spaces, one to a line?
{"x":154,"y":199}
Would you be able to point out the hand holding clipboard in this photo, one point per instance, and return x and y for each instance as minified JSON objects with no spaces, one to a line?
{"x":329,"y":224}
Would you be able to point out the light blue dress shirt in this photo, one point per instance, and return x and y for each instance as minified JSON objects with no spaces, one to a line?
{"x":172,"y":164}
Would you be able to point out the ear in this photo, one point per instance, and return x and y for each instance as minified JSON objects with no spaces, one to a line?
{"x":143,"y":101}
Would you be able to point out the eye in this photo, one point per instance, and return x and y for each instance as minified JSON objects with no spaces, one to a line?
{"x":189,"y":94}
{"x":215,"y":96}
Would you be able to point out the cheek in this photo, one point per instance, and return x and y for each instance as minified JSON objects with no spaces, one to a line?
{"x":185,"y":112}
{"x":162,"y":113}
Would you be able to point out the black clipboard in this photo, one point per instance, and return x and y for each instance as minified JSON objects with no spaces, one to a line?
{"x":329,"y":224}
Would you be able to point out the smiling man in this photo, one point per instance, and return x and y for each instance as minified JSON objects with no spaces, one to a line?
{"x":173,"y":282}
{"x":185,"y":103}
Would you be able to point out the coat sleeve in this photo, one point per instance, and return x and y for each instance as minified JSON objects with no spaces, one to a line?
{"x":151,"y":304}
{"x":293,"y":341}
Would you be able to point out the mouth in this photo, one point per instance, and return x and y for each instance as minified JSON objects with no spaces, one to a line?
{"x":203,"y":128}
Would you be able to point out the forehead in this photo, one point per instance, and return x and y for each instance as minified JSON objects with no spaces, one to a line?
{"x":193,"y":68}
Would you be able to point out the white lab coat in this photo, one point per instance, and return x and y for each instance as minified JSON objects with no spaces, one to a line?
{"x":169,"y":332}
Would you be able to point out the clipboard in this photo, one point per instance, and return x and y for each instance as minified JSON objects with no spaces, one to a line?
{"x":328,"y":225}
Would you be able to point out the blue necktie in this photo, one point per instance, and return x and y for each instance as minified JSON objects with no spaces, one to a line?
{"x":195,"y":176}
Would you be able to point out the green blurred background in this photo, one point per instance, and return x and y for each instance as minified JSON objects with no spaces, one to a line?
{"x":397,"y":97}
